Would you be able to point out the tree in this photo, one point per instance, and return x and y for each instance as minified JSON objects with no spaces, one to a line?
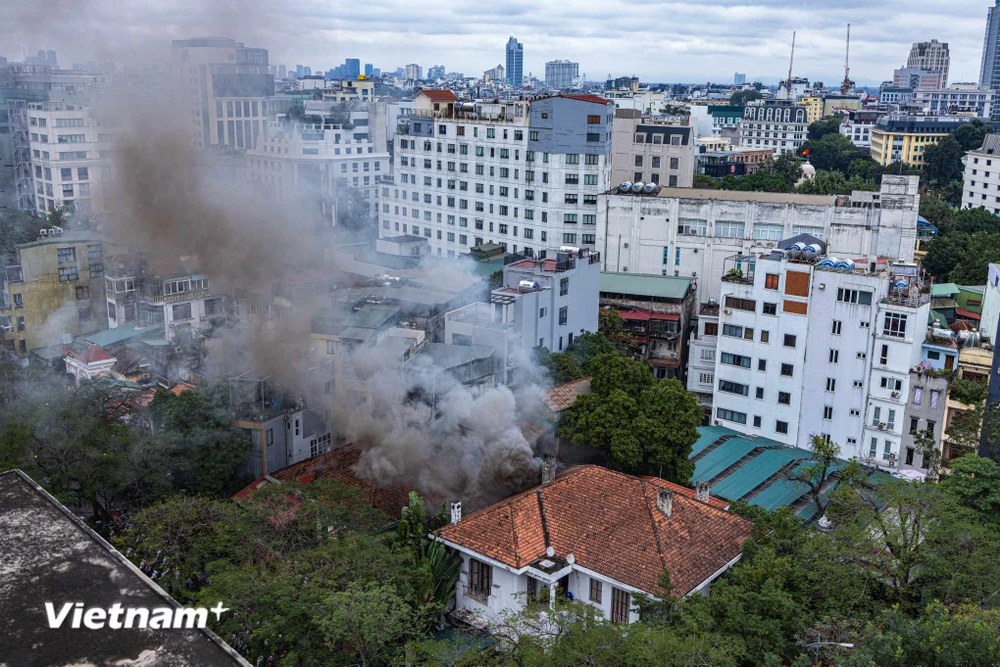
{"x":817,"y":474}
{"x":970,"y":392}
{"x":981,"y":249}
{"x":644,"y":424}
{"x":354,"y":212}
{"x":612,"y":327}
{"x":17,"y":227}
{"x":974,"y":481}
{"x":973,"y":220}
{"x":703,"y":182}
{"x":936,"y":212}
{"x":964,"y":430}
{"x":740,"y":97}
{"x":832,"y":152}
{"x":821,"y":128}
{"x":970,"y":135}
{"x":372,"y":620}
{"x":943,"y":255}
{"x":943,"y":161}
{"x":834,"y":183}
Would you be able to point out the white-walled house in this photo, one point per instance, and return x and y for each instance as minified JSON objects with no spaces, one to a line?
{"x":597,"y":535}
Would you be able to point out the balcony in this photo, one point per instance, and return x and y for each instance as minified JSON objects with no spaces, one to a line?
{"x":739,"y":269}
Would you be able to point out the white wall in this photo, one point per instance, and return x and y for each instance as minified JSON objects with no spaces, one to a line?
{"x":991,"y":304}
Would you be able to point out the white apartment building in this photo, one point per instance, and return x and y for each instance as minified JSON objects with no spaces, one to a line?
{"x":780,"y":126}
{"x":702,"y":346}
{"x":522,"y":174}
{"x":857,"y":127}
{"x":71,"y":159}
{"x":932,"y":56}
{"x":312,"y":162}
{"x":991,"y":305}
{"x":543,"y":302}
{"x":644,"y":151}
{"x":958,"y":98}
{"x":815,"y":348}
{"x":224,"y":88}
{"x":689,"y":232}
{"x":981,"y":180}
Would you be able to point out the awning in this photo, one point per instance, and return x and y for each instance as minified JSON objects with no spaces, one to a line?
{"x":665,"y":316}
{"x":967,"y":314}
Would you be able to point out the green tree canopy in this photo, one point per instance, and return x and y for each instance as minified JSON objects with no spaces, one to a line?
{"x":970,"y":135}
{"x":741,"y":97}
{"x":832,"y":152}
{"x":943,"y":161}
{"x":821,"y":128}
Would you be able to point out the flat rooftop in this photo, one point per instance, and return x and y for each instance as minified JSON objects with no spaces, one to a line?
{"x":49,"y":555}
{"x":736,"y":195}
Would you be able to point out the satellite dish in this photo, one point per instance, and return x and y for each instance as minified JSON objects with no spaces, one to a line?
{"x":550,"y":552}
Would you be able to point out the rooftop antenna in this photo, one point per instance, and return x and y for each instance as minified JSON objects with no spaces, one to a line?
{"x":844,"y":87}
{"x":791,"y":60}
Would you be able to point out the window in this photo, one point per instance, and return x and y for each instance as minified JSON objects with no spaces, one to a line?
{"x":781,"y":427}
{"x":765,"y":336}
{"x":768,"y":232}
{"x":690,"y":226}
{"x":596,"y":587}
{"x":82,"y":292}
{"x":789,"y":340}
{"x":935,"y":395}
{"x":769,"y":308}
{"x":564,"y":287}
{"x":480,"y":579}
{"x":729,"y":229}
{"x":892,"y":384}
{"x":593,"y":120}
{"x":835,"y":330}
{"x":711,"y":329}
{"x":569,"y":238}
{"x":827,"y":412}
{"x":834,"y":356}
{"x":741,"y":304}
{"x":731,"y":415}
{"x":759,"y":393}
{"x":706,"y":378}
{"x":621,"y":603}
{"x":18,"y":300}
{"x":563,"y":314}
{"x":894,"y":325}
{"x":918,"y":393}
{"x":762,"y":365}
{"x":572,"y":158}
{"x":20,"y":323}
{"x":787,"y":370}
{"x":735,"y":359}
{"x":854,"y":296}
{"x":84,"y":314}
{"x":734,"y":388}
{"x":67,"y":273}
{"x":66,"y":255}
{"x":884,"y":355}
{"x":784,"y":398}
{"x":182,"y":311}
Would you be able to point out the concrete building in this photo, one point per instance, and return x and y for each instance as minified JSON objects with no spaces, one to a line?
{"x":810,"y":348}
{"x":414,"y":72}
{"x":981,"y":179}
{"x":643,"y":151}
{"x":905,"y":138}
{"x":890,"y":96}
{"x":314,"y":164}
{"x":780,"y":126}
{"x":515,"y":62}
{"x":70,"y":157}
{"x":543,"y":302}
{"x":561,"y":74}
{"x":435,"y":72}
{"x":739,"y":79}
{"x":561,"y":547}
{"x":732,"y":161}
{"x":691,"y":232}
{"x":857,"y":127}
{"x":932,"y":56}
{"x":55,"y":290}
{"x":225,"y":89}
{"x":522,"y":174}
{"x":825,"y":105}
{"x":989,"y":70}
{"x":798,"y":89}
{"x":725,"y":120}
{"x":991,"y":305}
{"x":917,"y":79}
{"x":702,"y":345}
{"x":959,"y":98}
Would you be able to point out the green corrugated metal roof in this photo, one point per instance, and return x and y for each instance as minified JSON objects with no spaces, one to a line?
{"x":757,"y":471}
{"x":944,"y":289}
{"x":709,"y":434}
{"x":670,"y":287}
{"x":978,"y":289}
{"x":731,"y":451}
{"x":119,"y":334}
{"x":936,"y":316}
{"x":786,"y":491}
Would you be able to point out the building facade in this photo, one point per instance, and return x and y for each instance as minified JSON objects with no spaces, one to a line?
{"x":905,"y":138}
{"x":917,"y":79}
{"x":515,"y":62}
{"x":691,"y":232}
{"x":702,"y":346}
{"x":989,"y":70}
{"x":932,"y":56}
{"x":780,"y":126}
{"x":561,"y":74}
{"x":981,"y":179}
{"x":643,"y":151}
{"x":523,"y":174}
{"x":224,"y":88}
{"x":959,"y":98}
{"x":809,"y":348}
{"x":857,"y":127}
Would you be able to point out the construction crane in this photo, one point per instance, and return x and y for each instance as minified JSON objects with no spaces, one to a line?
{"x":791,"y":60}
{"x":846,"y":86}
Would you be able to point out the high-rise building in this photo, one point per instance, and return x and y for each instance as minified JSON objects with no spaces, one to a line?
{"x":917,"y":79}
{"x":282,"y":72}
{"x":352,"y":67}
{"x":369,"y":68}
{"x":739,"y":79}
{"x":521,"y":174}
{"x":50,"y":57}
{"x":414,"y":72}
{"x":931,"y":56}
{"x":989,"y":72}
{"x":561,"y":74}
{"x":299,"y":70}
{"x":226,"y":86}
{"x":435,"y":72}
{"x":515,"y":62}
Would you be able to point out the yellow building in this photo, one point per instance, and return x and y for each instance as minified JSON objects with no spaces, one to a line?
{"x":56,"y":288}
{"x":814,"y":108}
{"x":906,"y":138}
{"x":819,"y":107}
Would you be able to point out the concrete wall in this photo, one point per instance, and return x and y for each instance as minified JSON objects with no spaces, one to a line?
{"x":562,"y":127}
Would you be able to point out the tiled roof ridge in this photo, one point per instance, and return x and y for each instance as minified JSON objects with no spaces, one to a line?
{"x":513,"y":532}
{"x":652,"y":519}
{"x":541,"y":512}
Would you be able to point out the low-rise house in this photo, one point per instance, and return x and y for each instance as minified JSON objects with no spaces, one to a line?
{"x":600,"y":536}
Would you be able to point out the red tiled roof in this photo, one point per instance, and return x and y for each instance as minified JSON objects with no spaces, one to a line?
{"x":564,"y":396}
{"x":439,"y":95}
{"x":586,"y":98}
{"x":637,"y":314}
{"x":968,"y":314}
{"x":180,"y":388}
{"x":610,"y":523}
{"x":961,"y":325}
{"x":665,"y":316}
{"x":714,"y":501}
{"x":338,"y":465}
{"x":92,"y":354}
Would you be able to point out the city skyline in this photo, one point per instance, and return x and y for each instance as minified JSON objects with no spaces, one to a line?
{"x":708,"y":41}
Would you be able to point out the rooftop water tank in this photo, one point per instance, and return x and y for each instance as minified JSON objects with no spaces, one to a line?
{"x":637,"y":187}
{"x":812,"y":250}
{"x":528,"y":285}
{"x":625,"y":187}
{"x":651,"y":188}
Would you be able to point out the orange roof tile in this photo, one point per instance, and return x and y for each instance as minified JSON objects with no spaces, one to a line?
{"x":610,"y":523}
{"x":564,"y":396}
{"x":338,"y":465}
{"x":585,"y":98}
{"x":439,"y":95}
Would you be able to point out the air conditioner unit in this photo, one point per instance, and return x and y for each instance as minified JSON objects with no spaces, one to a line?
{"x":895,"y":394}
{"x":727,"y":311}
{"x":881,"y":426}
{"x":626,"y":245}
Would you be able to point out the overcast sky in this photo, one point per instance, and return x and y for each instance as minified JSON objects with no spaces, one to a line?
{"x":700,"y":40}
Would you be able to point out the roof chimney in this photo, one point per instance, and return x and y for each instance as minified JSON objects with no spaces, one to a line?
{"x":665,"y":501}
{"x":548,"y":468}
{"x":701,"y":492}
{"x":456,"y":512}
